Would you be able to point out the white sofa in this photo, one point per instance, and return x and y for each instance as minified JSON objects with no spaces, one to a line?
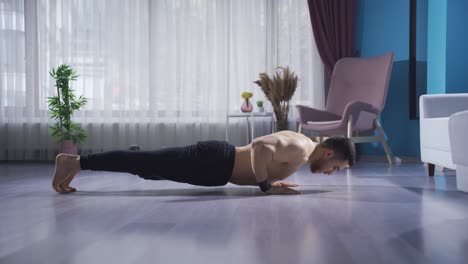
{"x":458,"y":130}
{"x":434,"y":113}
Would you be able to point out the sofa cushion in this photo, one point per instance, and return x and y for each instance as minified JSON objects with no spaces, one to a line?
{"x":458,"y":127}
{"x":435,"y":133}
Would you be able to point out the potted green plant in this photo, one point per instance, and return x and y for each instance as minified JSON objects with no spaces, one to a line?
{"x":279,"y":90}
{"x":260,"y":106}
{"x":62,"y":106}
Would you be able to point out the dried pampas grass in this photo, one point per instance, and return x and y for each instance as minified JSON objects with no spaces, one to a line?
{"x":279,"y":91}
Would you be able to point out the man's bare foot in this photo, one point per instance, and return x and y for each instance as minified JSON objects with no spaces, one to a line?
{"x":66,"y":167}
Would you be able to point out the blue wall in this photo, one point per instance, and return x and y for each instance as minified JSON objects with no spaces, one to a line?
{"x":421,"y":30}
{"x":447,"y":42}
{"x":457,"y":47}
{"x":436,"y":46}
{"x":383,"y":26}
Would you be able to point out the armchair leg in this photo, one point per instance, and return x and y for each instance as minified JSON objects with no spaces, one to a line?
{"x":430,"y":169}
{"x":384,"y":142}
{"x":349,"y":131}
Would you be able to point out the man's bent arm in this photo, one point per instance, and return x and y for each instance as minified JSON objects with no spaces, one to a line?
{"x":261,"y":156}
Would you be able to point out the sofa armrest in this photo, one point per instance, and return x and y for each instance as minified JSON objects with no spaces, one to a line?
{"x":458,"y":125}
{"x":442,"y":105}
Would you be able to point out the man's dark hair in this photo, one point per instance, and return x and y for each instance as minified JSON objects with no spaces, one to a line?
{"x":342,"y":147}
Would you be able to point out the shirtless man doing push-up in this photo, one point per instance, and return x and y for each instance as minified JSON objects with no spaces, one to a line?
{"x":265,"y":162}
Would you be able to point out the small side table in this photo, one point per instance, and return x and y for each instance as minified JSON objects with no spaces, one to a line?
{"x":250,"y":122}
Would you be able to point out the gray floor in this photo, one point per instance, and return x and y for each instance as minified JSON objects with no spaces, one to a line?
{"x":370,"y":214}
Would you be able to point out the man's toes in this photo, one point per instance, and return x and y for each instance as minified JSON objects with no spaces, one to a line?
{"x":56,"y":187}
{"x":67,"y":180}
{"x":61,"y":189}
{"x":65,"y":189}
{"x":71,"y":189}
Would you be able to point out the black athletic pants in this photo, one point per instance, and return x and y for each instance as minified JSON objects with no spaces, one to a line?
{"x":207,"y":163}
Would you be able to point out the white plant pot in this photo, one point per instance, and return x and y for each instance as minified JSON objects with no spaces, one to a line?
{"x":261,"y":109}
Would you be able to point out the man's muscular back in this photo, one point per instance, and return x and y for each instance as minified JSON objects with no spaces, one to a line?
{"x":274,"y":157}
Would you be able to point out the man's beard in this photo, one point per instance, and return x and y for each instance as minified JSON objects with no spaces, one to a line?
{"x":316,"y":166}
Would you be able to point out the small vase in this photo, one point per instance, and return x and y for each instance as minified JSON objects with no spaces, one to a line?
{"x":261,"y":109}
{"x":68,"y":147}
{"x":247,"y":106}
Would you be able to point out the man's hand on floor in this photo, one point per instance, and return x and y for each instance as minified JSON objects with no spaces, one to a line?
{"x":284,"y":184}
{"x":283,"y":190}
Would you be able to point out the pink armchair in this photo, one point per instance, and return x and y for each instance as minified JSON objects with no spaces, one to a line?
{"x":356,"y":98}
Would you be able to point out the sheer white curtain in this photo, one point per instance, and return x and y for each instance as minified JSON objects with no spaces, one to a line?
{"x":157,"y":73}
